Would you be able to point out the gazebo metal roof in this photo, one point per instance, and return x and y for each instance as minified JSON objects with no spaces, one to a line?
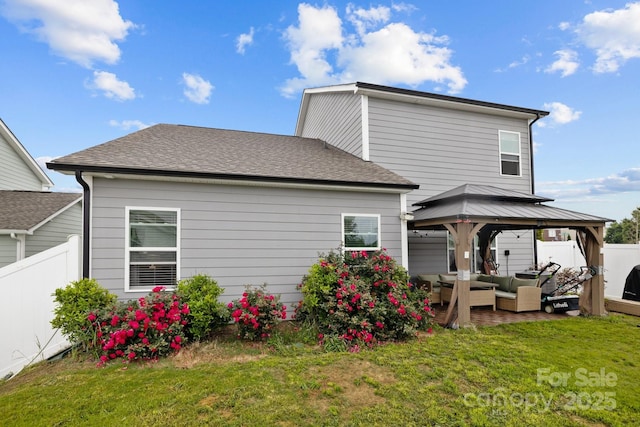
{"x":507,"y":208}
{"x":485,"y":210}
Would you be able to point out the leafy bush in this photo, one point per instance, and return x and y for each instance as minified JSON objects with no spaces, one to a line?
{"x":140,"y":330}
{"x":371,"y":299}
{"x":256,"y":313}
{"x":74,"y":302}
{"x":206,"y":313}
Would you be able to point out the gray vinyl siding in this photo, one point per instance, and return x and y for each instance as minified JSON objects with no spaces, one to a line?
{"x":428,"y":252}
{"x":56,"y":231}
{"x":238,"y":235}
{"x":14,"y":173}
{"x":440,"y":149}
{"x":337,"y":119}
{"x":7,"y":250}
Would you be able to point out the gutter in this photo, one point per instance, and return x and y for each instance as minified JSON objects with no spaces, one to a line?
{"x":86,"y":226}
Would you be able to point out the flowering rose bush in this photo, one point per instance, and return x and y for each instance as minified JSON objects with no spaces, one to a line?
{"x":146,"y":329}
{"x":370,"y":300}
{"x":256,"y":313}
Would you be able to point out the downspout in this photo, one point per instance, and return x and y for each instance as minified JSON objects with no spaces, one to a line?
{"x":533,"y":187}
{"x":20,"y":245}
{"x":86,"y":226}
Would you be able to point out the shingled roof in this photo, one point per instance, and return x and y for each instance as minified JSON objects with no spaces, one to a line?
{"x":189,"y":151}
{"x":23,"y":210}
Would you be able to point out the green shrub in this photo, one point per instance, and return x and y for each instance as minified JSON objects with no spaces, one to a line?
{"x":369,"y":301}
{"x":206,"y":314}
{"x":74,"y":303}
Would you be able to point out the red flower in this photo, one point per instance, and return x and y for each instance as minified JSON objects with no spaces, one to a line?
{"x":157,"y":289}
{"x":91,"y":317}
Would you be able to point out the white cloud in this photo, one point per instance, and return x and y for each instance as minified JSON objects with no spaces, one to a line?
{"x":129,"y":124}
{"x":43,"y":160}
{"x":623,"y":182}
{"x":197,"y":89}
{"x":614,"y":35}
{"x":563,"y":26}
{"x":364,"y":19}
{"x":567,"y":63}
{"x":379,"y":51}
{"x":111,"y":87}
{"x":79,"y":30}
{"x":244,"y":40}
{"x":561,"y":114}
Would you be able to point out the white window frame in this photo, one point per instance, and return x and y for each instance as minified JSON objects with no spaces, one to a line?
{"x":519,"y":154}
{"x":128,"y":249}
{"x":475,"y":256}
{"x":344,"y":244}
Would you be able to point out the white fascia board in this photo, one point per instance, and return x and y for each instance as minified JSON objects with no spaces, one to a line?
{"x":444,"y":103}
{"x":25,"y":156}
{"x":52,"y":216}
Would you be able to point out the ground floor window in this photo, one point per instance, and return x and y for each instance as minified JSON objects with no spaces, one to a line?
{"x":360,"y":232}
{"x":152,"y":248}
{"x":476,"y":259}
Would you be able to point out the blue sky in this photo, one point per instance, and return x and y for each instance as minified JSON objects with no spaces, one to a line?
{"x":77,"y":73}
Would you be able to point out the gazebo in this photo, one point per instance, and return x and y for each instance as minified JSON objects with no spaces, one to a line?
{"x":486,"y":211}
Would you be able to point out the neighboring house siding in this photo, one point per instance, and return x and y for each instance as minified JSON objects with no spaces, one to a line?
{"x":14,"y":173}
{"x":440,"y":149}
{"x":335,"y":118}
{"x":56,"y":231}
{"x":238,"y":235}
{"x":8,"y":250}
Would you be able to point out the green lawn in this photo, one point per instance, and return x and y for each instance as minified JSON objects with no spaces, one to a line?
{"x":575,"y":371}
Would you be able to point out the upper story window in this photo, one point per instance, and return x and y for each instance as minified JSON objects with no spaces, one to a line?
{"x":152,"y":248}
{"x":509,"y":153}
{"x":361,"y":232}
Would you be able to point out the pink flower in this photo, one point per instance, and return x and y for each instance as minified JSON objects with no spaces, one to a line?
{"x":157,"y":289}
{"x":131,"y":355}
{"x":91,"y":317}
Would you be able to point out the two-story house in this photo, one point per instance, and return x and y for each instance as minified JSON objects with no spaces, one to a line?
{"x":32,"y":219}
{"x":438,"y":142}
{"x":172,"y":201}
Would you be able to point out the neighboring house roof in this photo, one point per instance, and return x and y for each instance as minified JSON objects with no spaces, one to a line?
{"x":498,"y":205}
{"x":25,"y":211}
{"x":8,"y":136}
{"x":198,"y":152}
{"x":418,"y":97}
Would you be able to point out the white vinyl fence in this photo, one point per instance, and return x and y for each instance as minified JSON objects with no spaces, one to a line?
{"x":618,"y":261}
{"x":26,"y":306}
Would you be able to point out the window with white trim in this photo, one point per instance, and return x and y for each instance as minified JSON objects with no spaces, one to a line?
{"x":509,"y":153}
{"x":361,"y":232}
{"x":476,"y":259}
{"x":152,"y":248}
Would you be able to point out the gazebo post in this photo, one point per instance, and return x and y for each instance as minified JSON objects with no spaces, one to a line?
{"x":593,"y":301}
{"x":463,"y":232}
